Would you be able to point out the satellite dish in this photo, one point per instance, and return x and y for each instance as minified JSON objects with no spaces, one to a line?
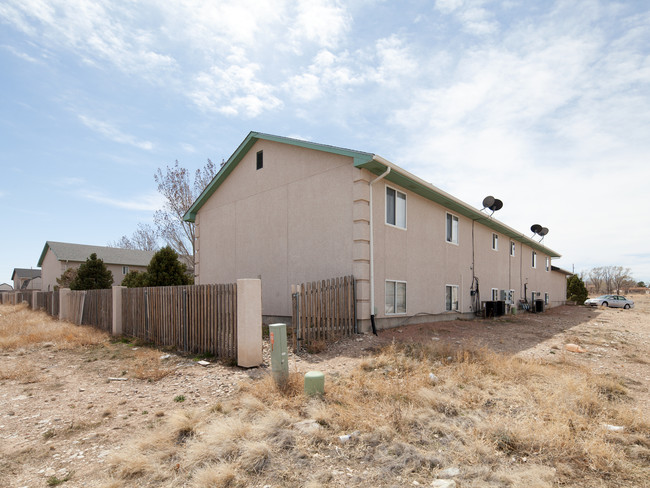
{"x":543,"y":231}
{"x":488,"y":201}
{"x":497,"y":205}
{"x":536,"y":228}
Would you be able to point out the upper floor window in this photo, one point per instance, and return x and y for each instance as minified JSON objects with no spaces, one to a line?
{"x":495,"y":242}
{"x":125,"y":270}
{"x":548,"y":264}
{"x":512,"y":248}
{"x":534,"y":260}
{"x":260,"y":160}
{"x":452,"y":228}
{"x":395,"y":208}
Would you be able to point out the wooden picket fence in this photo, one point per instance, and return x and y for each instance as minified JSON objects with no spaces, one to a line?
{"x":196,"y":318}
{"x":48,"y":301}
{"x":323,"y":311}
{"x":92,"y":307}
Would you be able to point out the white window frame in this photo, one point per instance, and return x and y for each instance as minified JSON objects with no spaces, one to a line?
{"x":125,"y":270}
{"x":397,"y":192}
{"x":394,"y":283}
{"x":547,"y":298}
{"x":495,"y":294}
{"x":454,"y":218}
{"x":513,"y":247}
{"x":548,"y":263}
{"x":534,"y":261}
{"x":495,"y":242}
{"x":512,"y":296}
{"x":449,"y":306}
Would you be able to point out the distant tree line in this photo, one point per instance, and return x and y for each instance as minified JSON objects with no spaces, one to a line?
{"x":610,"y":279}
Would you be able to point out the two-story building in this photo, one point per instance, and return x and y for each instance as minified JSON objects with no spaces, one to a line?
{"x":292,"y":211}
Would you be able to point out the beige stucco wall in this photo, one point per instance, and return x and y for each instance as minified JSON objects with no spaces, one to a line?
{"x":287,"y":223}
{"x":421,"y":256}
{"x":52,"y":269}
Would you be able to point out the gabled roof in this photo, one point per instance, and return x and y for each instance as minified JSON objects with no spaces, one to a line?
{"x":26,"y":273}
{"x":110,"y":255}
{"x":562,"y":271}
{"x":376,"y":165}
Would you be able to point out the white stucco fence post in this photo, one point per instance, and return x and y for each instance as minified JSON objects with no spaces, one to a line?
{"x":117,"y":310}
{"x":34,"y":299}
{"x":249,"y":323}
{"x":64,"y":304}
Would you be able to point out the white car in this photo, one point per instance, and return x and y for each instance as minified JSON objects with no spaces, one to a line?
{"x":616,"y":301}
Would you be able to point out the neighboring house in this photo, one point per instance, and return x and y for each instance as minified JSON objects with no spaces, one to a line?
{"x":26,"y":279}
{"x":6,"y":287}
{"x":59,"y":256}
{"x":290,"y":211}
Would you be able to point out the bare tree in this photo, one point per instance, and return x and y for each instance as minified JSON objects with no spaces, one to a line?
{"x":596,"y":279}
{"x":619,"y":276}
{"x":144,"y":238}
{"x":174,"y":185}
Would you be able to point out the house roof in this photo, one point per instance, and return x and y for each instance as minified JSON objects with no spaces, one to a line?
{"x":65,"y":251}
{"x":26,"y":273}
{"x":6,"y":287}
{"x":560,"y":270}
{"x":376,"y":165}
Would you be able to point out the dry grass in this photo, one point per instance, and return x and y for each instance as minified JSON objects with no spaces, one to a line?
{"x":147,"y":365}
{"x":504,"y":421}
{"x":22,"y":328}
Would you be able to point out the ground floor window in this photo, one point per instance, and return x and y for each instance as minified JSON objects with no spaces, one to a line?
{"x":451,"y":298}
{"x":495,"y":294}
{"x":125,"y":270}
{"x":546,"y":299}
{"x":395,"y":297}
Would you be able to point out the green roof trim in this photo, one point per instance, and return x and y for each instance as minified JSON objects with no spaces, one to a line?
{"x":410,"y":182}
{"x":376,"y":165}
{"x":359,"y":157}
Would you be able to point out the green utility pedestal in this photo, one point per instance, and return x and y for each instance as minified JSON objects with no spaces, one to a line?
{"x":314,"y":383}
{"x":279,"y":357}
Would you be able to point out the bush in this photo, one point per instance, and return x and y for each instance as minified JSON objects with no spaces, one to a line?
{"x":166,"y":270}
{"x":135,"y":279}
{"x":576,"y":290}
{"x":92,"y":275}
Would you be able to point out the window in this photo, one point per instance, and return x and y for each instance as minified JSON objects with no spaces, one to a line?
{"x":260,"y":159}
{"x":452,"y":229}
{"x":495,"y":294}
{"x":512,"y":248}
{"x":125,"y":270}
{"x":451,"y":298}
{"x":546,"y":298}
{"x":511,"y":296}
{"x":534,"y":262}
{"x":495,"y":242}
{"x":548,"y":264}
{"x":395,"y":208}
{"x":395,"y":297}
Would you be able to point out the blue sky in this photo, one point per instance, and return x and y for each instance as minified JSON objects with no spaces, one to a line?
{"x":545,"y":105}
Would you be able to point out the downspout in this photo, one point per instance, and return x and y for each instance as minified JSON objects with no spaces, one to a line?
{"x":372,"y":256}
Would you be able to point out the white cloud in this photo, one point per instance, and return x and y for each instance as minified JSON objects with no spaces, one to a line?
{"x":474,"y":18}
{"x":234,"y":90}
{"x":150,"y":202}
{"x":322,"y":22}
{"x":113,"y":133}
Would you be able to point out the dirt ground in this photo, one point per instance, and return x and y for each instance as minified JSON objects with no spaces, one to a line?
{"x":67,"y":410}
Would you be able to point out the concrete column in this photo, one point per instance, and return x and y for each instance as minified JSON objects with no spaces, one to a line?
{"x":117,"y":309}
{"x":64,"y":304}
{"x":361,"y":245}
{"x":249,"y":323}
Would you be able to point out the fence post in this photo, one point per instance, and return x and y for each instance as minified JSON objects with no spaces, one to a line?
{"x":34,"y":300}
{"x":249,"y":323}
{"x":117,"y":310}
{"x":64,"y":304}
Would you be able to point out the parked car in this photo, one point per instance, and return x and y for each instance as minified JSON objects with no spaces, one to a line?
{"x":617,"y":301}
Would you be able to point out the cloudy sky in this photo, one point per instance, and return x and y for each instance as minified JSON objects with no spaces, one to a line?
{"x":545,"y":105}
